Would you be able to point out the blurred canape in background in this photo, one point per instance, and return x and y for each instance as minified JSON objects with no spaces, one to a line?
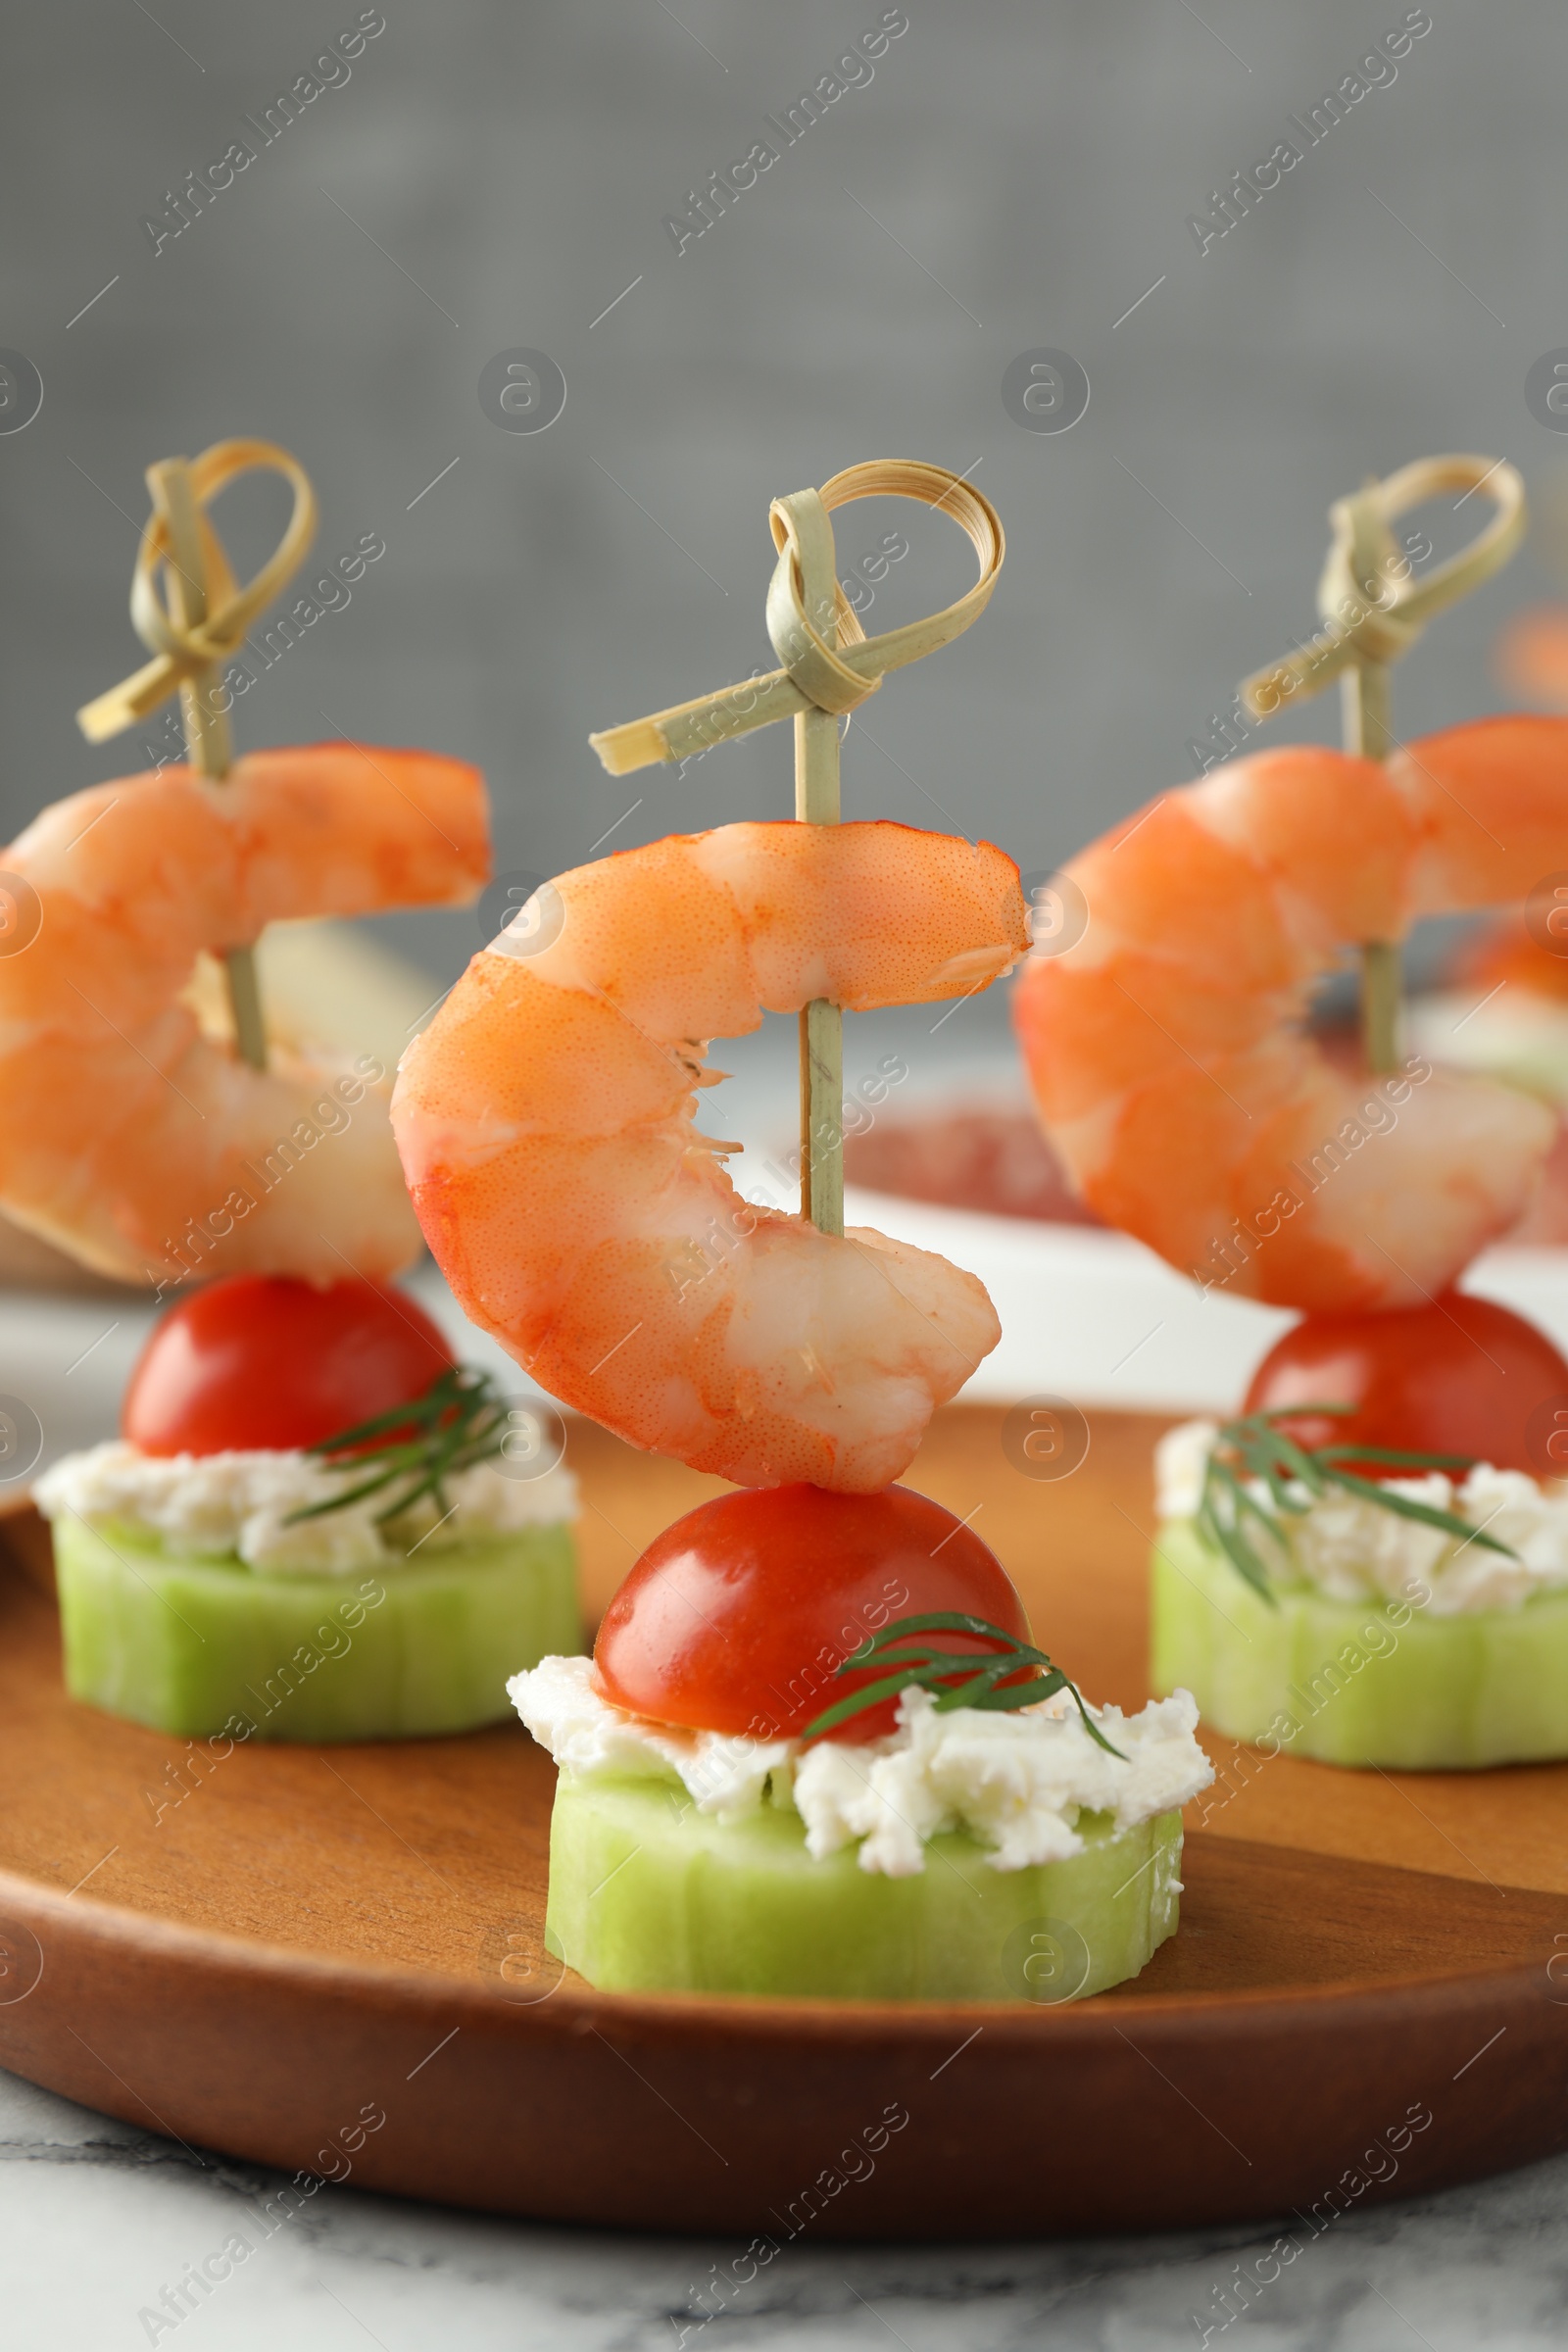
{"x":1502,"y":1005}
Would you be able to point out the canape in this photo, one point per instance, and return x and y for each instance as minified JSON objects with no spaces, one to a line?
{"x":1370,"y":1565}
{"x":816,"y":1752}
{"x":316,"y":1525}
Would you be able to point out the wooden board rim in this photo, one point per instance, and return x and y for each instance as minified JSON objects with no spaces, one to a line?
{"x":530,"y":2108}
{"x":743,"y":2016}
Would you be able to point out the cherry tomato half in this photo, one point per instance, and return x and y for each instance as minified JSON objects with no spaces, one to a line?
{"x":737,"y":1618}
{"x":1460,"y":1376}
{"x":261,"y":1361}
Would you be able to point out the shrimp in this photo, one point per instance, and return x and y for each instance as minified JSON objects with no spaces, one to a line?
{"x":128,"y":1137}
{"x":545,"y":1120}
{"x":1168,"y":1051}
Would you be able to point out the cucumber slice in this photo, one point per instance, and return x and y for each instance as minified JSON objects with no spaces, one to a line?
{"x":186,"y":1645}
{"x":1357,"y":1682}
{"x":647,"y":1895}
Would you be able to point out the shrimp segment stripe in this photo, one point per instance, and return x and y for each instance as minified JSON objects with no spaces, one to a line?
{"x":816,"y":676}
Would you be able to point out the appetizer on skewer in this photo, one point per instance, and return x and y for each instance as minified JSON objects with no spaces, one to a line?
{"x":1371,"y":1561}
{"x":306,"y":1478}
{"x":733,"y":1810}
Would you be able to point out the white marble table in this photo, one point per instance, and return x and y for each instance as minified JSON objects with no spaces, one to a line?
{"x":97,"y":2219}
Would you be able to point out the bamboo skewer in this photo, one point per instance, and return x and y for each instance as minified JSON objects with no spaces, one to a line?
{"x":1371,"y":618}
{"x":1366,"y":728}
{"x":209,"y":743}
{"x":203,"y":626}
{"x":829,"y":668}
{"x":817,"y":803}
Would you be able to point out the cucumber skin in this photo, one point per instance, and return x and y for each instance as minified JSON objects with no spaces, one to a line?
{"x":1432,"y":1694}
{"x":431,"y":1657}
{"x":647,"y":1898}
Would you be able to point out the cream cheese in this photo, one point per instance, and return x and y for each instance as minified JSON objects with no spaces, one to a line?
{"x":1017,"y":1782}
{"x":219,"y":1505}
{"x":591,"y":1738}
{"x":1352,"y":1549}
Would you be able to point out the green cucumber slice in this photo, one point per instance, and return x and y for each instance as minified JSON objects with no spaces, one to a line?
{"x":1357,"y":1682}
{"x":187,"y":1646}
{"x":647,"y":1895}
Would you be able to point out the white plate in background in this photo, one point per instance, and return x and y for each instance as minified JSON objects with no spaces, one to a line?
{"x":1096,"y":1317}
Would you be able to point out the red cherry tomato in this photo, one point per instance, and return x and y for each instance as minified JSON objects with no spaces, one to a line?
{"x":261,"y":1361}
{"x":736,"y":1618}
{"x":1460,"y":1376}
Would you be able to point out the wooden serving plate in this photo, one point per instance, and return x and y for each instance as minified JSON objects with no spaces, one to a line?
{"x":312,"y":1937}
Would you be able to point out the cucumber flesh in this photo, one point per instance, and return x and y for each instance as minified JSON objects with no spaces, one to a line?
{"x":1364,"y":1681}
{"x":385,"y":1653}
{"x":647,"y":1895}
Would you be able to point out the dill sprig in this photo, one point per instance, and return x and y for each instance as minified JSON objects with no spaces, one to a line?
{"x":963,"y":1679}
{"x":458,"y":1421}
{"x":1255,"y":1452}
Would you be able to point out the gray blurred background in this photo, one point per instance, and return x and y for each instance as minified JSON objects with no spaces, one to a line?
{"x":1010,"y":177}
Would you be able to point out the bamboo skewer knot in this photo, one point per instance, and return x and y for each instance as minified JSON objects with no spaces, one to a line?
{"x":1368,"y":614}
{"x":184,"y":648}
{"x":817,"y":675}
{"x":1373,"y":612}
{"x":203,"y":624}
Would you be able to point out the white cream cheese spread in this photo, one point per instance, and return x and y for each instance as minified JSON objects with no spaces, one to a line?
{"x":1017,"y":1782}
{"x":1352,"y":1549}
{"x":217,"y":1505}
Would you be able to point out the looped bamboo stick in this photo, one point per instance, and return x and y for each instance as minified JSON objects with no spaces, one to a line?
{"x":1371,"y":619}
{"x":203,"y":624}
{"x":182,"y":649}
{"x":830,"y":666}
{"x":848,"y":672}
{"x":1368,"y":616}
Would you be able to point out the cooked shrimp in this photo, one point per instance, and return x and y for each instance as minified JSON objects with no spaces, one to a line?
{"x":544,"y":1122}
{"x":126,"y":1137}
{"x":1167,"y":1048}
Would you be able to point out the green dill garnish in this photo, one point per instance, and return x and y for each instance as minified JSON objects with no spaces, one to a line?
{"x":1256,"y":1451}
{"x":963,"y":1679}
{"x":458,"y":1421}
